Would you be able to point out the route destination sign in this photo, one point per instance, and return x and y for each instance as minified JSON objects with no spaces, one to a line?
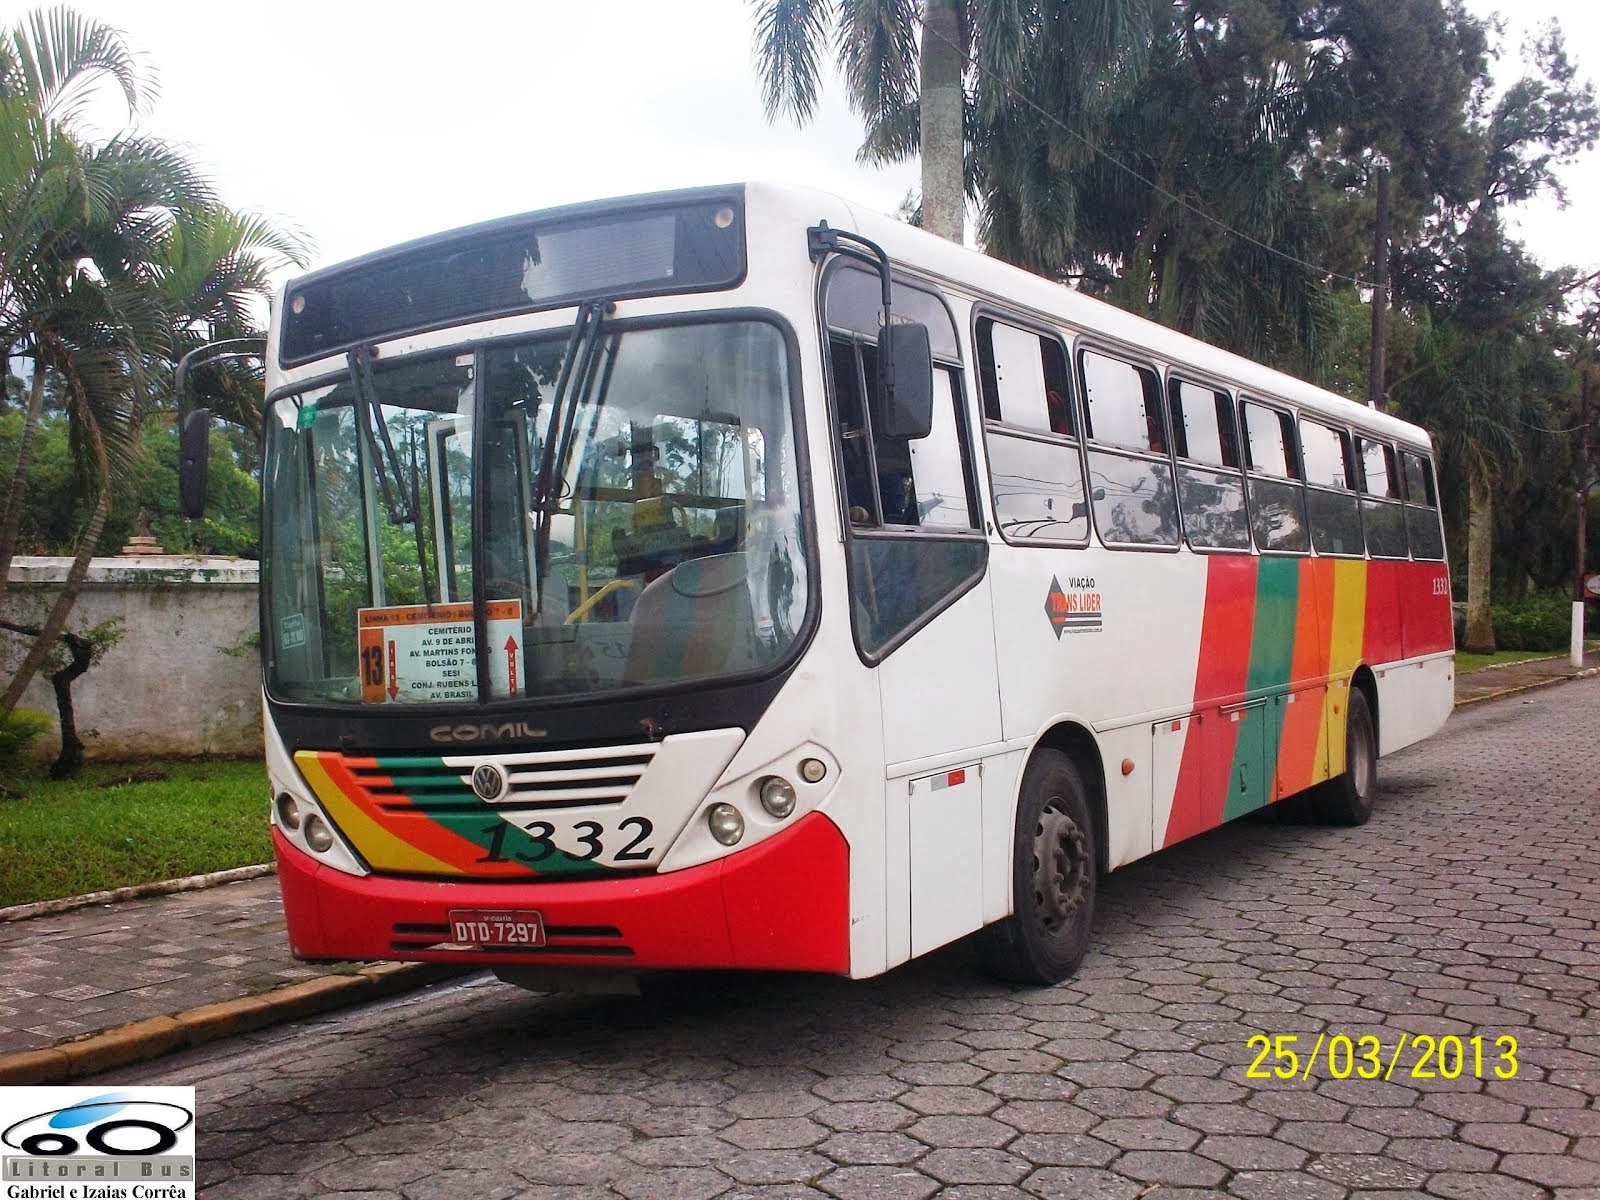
{"x":425,"y":652}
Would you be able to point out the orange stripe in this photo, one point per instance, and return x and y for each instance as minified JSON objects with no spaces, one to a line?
{"x":1301,"y":735}
{"x":414,"y":829}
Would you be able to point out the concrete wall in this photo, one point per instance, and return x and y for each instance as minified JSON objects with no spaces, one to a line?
{"x":184,"y":680}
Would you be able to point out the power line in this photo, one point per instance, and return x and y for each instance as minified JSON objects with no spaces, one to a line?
{"x":1149,"y":183}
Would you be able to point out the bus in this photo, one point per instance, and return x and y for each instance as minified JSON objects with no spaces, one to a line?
{"x":736,"y":578}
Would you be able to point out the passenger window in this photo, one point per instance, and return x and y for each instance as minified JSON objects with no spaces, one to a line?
{"x":1035,"y":470}
{"x":1332,"y":506}
{"x":1381,"y":510}
{"x":1123,"y":404}
{"x":1422,"y":507}
{"x":1269,"y":435}
{"x":1277,"y":501}
{"x":1327,"y":455}
{"x":1134,"y":494}
{"x":1210,"y":485}
{"x":1023,"y":378}
{"x":1377,"y":469}
{"x":1202,"y":424}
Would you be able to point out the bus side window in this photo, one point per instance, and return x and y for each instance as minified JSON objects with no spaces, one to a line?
{"x":1135,"y":500}
{"x":1332,"y":505}
{"x":1422,"y":507}
{"x":1210,"y":484}
{"x":860,"y":494}
{"x":1277,"y":500}
{"x":1381,"y":510}
{"x":1035,"y":469}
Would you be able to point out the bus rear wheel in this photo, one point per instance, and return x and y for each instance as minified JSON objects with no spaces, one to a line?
{"x":1054,"y":868}
{"x":1348,"y":799}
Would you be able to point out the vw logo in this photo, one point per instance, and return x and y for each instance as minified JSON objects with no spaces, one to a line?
{"x":489,"y":781}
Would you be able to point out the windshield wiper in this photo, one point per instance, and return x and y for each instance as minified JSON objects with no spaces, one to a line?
{"x":576,"y":364}
{"x":391,"y":481}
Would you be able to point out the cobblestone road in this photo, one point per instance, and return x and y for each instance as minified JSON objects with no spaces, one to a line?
{"x":1468,"y":907}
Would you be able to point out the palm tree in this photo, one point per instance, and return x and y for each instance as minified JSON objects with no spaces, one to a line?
{"x":1484,"y":374}
{"x":48,"y":65}
{"x":920,"y":79}
{"x":108,"y":256}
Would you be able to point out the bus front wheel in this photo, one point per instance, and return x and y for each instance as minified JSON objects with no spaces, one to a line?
{"x":1053,"y":874}
{"x":1347,"y":799}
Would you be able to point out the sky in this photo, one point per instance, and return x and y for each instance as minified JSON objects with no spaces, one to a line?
{"x":364,"y":124}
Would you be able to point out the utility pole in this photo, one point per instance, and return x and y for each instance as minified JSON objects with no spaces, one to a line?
{"x":1380,"y":282}
{"x":1585,"y":485}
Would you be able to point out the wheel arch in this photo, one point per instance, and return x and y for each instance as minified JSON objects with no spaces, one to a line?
{"x":1367,"y":683}
{"x":1079,"y":745}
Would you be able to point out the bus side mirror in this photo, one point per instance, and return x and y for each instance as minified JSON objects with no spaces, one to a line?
{"x":194,"y":460}
{"x":908,"y":412}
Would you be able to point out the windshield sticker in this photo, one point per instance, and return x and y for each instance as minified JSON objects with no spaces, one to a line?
{"x":425,"y":652}
{"x":1077,"y":609}
{"x":292,"y":631}
{"x":307,"y":416}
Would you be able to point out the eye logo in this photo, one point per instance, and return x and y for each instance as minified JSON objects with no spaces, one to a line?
{"x":117,"y":1123}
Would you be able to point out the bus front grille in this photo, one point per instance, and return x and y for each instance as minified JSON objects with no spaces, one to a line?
{"x":535,"y":781}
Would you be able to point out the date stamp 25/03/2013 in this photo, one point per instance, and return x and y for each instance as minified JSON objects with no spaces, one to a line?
{"x":1294,"y":1056}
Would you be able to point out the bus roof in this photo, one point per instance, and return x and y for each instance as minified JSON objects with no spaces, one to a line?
{"x":973,"y":273}
{"x":962,"y":270}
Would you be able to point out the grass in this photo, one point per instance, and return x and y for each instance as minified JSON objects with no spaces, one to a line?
{"x":123,"y":824}
{"x":1467,"y":661}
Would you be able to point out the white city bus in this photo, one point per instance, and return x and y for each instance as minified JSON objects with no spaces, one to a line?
{"x":618,"y":615}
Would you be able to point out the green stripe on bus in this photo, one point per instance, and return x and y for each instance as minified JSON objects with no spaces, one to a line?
{"x":1271,"y":661}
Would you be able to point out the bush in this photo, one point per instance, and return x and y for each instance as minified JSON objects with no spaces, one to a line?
{"x":17,"y":732}
{"x":1534,"y":623}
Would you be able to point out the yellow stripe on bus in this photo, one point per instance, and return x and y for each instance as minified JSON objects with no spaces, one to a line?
{"x":1344,"y":653}
{"x":382,"y":849}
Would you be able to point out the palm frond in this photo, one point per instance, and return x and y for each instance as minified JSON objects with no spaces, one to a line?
{"x":877,"y":49}
{"x":56,"y":56}
{"x":789,"y":36}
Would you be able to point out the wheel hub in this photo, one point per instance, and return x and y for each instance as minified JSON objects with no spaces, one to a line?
{"x":1060,"y":867}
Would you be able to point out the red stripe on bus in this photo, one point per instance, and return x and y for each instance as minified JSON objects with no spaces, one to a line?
{"x":1220,"y":675}
{"x":1381,"y":642}
{"x":1427,"y":623}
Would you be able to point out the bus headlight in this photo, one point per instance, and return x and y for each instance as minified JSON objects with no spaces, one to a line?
{"x":725,"y":823}
{"x":777,"y":796}
{"x":288,"y":811}
{"x":318,"y":836}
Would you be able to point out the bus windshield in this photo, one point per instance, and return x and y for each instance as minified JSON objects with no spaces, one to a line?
{"x":667,"y":543}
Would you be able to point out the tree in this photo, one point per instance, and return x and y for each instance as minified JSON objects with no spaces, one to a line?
{"x":1486,"y":370}
{"x":111,"y":255}
{"x":1228,"y":195}
{"x":920,"y":80}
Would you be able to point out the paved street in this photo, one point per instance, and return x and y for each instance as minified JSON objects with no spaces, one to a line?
{"x":1468,"y":907}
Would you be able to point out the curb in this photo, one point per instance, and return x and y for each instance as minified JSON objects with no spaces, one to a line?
{"x":162,"y":887}
{"x":1585,"y":673}
{"x":158,"y":1036}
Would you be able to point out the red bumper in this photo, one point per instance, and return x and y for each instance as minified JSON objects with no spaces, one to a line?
{"x":782,"y":905}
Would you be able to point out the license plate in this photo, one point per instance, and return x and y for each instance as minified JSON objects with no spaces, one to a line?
{"x":491,"y":927}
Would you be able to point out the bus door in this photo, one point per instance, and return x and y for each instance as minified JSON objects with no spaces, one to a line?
{"x":921,"y":617}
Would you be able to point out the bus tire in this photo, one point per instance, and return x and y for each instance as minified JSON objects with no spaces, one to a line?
{"x":1348,"y":799}
{"x":1054,"y":869}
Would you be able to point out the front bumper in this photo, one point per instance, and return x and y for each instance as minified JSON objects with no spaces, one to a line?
{"x":783,"y":904}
